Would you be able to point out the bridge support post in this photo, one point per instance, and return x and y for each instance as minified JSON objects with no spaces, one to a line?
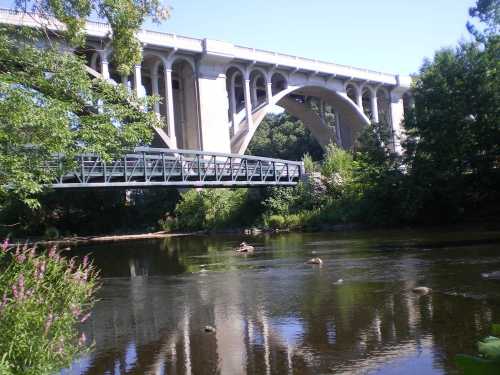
{"x":374,"y":105}
{"x":154,"y":88}
{"x":170,"y":105}
{"x":213,"y":107}
{"x":248,"y":101}
{"x":104,"y":67}
{"x":138,"y":80}
{"x":397,"y":116}
{"x":269,"y":90}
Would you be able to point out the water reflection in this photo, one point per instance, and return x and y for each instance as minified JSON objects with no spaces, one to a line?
{"x":275,"y":315}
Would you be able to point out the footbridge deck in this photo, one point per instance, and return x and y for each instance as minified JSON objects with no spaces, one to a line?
{"x":150,"y":167}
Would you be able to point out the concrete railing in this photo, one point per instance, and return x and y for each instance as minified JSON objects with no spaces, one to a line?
{"x":253,"y":55}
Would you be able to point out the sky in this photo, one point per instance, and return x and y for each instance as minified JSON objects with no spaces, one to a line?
{"x":391,"y":36}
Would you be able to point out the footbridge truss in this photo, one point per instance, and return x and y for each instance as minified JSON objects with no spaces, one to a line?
{"x":156,"y":167}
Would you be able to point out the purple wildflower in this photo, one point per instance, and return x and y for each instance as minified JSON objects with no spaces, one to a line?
{"x":5,"y":245}
{"x":48,"y":323}
{"x":82,"y":339}
{"x":85,"y":261}
{"x":85,"y":317}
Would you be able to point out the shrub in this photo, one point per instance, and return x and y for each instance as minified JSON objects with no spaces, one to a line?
{"x":212,"y":208}
{"x":44,"y":298}
{"x":275,"y":222}
{"x":168,"y":223}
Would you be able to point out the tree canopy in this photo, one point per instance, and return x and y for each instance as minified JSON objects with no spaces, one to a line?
{"x":48,"y":102}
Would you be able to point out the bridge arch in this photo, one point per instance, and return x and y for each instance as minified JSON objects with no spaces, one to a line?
{"x":350,"y":117}
{"x":353,"y":91}
{"x":258,"y":83}
{"x":279,"y":83}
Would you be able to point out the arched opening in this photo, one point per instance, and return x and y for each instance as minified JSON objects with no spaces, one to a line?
{"x":408,"y":103}
{"x":278,"y":83}
{"x":153,"y":81}
{"x":186,"y":121}
{"x":257,"y":88}
{"x":366,"y":100}
{"x":328,"y":115}
{"x":352,"y":93}
{"x":236,"y":97}
{"x":383,"y":105}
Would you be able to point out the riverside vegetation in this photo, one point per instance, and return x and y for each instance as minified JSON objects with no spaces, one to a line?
{"x":44,"y":297}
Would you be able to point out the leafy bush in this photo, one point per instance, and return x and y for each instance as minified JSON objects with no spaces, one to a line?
{"x":44,"y":298}
{"x":211,"y":208}
{"x":275,"y":222}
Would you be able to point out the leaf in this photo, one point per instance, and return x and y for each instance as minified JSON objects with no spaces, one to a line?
{"x":490,"y":347}
{"x":477,"y":366}
{"x":495,"y":329}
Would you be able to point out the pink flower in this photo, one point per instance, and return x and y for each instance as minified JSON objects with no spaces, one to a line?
{"x":48,"y":323}
{"x":4,"y":301}
{"x":52,"y":252}
{"x":75,"y":310}
{"x":85,"y":261}
{"x":85,"y":317}
{"x":82,"y":339}
{"x":20,"y":258}
{"x":40,"y":270}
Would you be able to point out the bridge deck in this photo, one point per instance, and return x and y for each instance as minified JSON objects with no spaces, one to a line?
{"x":149,"y":167}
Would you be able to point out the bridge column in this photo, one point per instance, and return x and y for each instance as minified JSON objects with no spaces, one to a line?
{"x":170,"y":104}
{"x":155,"y":90}
{"x":397,"y":116}
{"x":213,"y":105}
{"x":254,"y":92}
{"x":232,"y":101}
{"x":359,"y":98}
{"x":269,"y":90}
{"x":248,"y":101}
{"x":138,"y":80}
{"x":374,"y":105}
{"x":105,"y":66}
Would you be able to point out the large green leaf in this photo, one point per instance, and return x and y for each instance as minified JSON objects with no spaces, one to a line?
{"x":495,"y":329}
{"x":477,"y":366}
{"x":490,"y":347}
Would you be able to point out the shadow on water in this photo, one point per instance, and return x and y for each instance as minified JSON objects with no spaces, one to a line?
{"x":274,"y":314}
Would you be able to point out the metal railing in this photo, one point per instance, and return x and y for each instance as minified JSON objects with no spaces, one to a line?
{"x":149,"y":167}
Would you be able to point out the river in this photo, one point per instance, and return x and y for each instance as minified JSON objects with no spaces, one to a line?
{"x":274,"y":314}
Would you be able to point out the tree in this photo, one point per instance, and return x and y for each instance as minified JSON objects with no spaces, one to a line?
{"x":49,"y":104}
{"x":283,"y":136}
{"x":124,"y":16}
{"x":487,"y":12}
{"x":453,"y":149}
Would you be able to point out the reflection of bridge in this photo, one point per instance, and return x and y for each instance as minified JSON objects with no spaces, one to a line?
{"x":215,"y":94}
{"x":149,"y":167}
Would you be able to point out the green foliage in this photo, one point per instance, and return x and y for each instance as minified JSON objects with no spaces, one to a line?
{"x":309,"y":165}
{"x":45,"y":297}
{"x":214,"y":209}
{"x":275,"y":222}
{"x":49,"y":105}
{"x":453,"y":146}
{"x":283,"y":136}
{"x":124,"y":16}
{"x":487,"y":12}
{"x":490,"y":347}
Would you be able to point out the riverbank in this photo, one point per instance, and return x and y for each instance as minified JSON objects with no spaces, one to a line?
{"x":492,"y":227}
{"x":79,"y":240}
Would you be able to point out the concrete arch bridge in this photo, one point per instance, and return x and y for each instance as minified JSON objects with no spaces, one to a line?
{"x":215,"y":94}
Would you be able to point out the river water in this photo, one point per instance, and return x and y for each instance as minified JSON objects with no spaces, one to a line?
{"x":274,"y":314}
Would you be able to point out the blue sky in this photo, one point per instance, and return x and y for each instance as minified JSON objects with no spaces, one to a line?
{"x":387,"y":35}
